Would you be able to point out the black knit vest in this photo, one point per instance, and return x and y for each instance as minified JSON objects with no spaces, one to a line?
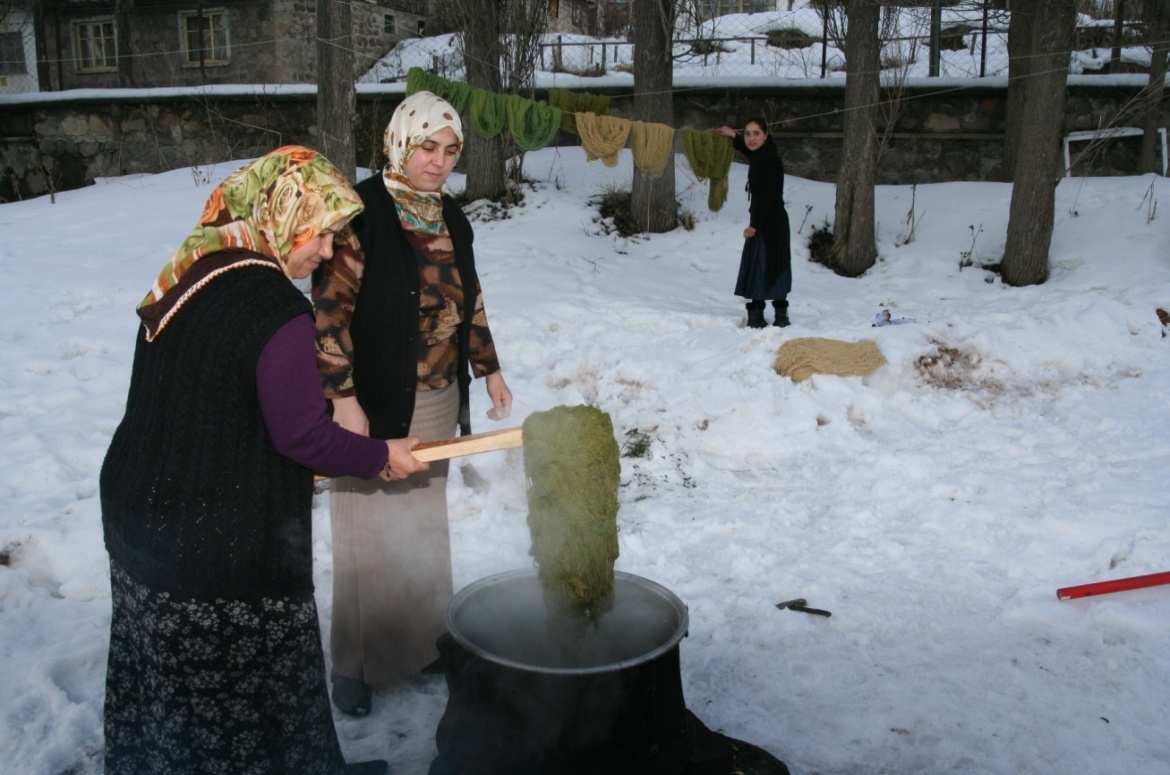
{"x":384,"y":327}
{"x":195,"y":500}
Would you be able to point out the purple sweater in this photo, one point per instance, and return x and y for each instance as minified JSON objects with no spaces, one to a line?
{"x":293,"y":405}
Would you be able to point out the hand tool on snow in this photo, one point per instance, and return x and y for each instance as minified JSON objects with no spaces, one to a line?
{"x":1112,"y":585}
{"x":800,"y":604}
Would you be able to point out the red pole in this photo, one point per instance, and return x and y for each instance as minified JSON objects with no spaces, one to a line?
{"x":1114,"y":585}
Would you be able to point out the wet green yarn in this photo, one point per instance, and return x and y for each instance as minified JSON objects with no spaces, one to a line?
{"x":571,"y":102}
{"x":533,"y":125}
{"x":455,"y":92}
{"x":572,"y":465}
{"x":710,"y":157}
{"x":487,"y":112}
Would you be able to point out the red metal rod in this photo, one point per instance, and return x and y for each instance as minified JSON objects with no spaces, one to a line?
{"x":1113,"y":585}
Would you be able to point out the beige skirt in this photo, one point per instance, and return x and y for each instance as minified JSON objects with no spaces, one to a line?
{"x":392,"y":560}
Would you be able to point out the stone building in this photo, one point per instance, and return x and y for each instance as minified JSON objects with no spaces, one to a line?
{"x":140,"y":43}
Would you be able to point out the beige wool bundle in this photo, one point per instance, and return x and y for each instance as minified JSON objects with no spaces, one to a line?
{"x":653,"y":146}
{"x":800,"y":358}
{"x":602,"y":136}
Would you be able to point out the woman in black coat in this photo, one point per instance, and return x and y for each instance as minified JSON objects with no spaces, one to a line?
{"x":765,"y":269}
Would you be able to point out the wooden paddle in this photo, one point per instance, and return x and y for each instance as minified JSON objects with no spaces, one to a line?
{"x":444,"y":449}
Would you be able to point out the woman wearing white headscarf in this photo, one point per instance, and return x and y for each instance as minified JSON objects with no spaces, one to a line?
{"x":400,"y":320}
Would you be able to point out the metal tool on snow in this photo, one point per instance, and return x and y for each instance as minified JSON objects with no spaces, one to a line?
{"x":800,"y":604}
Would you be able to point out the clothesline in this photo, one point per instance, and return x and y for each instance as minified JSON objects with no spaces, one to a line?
{"x":533,"y":125}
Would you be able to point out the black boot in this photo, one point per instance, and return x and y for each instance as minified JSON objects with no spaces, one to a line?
{"x":755,"y":312}
{"x":351,"y":696}
{"x":780,"y":307}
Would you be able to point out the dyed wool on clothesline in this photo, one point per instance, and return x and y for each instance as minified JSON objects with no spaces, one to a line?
{"x":487,"y":112}
{"x":602,"y":136}
{"x":455,"y":92}
{"x":710,"y":157}
{"x":533,"y":125}
{"x":653,"y":147}
{"x":572,"y":103}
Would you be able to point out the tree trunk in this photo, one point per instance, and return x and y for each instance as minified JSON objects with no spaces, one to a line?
{"x":1029,"y":233}
{"x":652,"y":199}
{"x":1020,"y":64}
{"x":336,"y":100}
{"x":854,"y":245}
{"x":482,"y":157}
{"x":1157,"y":32}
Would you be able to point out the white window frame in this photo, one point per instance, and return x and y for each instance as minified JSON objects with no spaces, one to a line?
{"x":88,"y":25}
{"x":208,"y":60}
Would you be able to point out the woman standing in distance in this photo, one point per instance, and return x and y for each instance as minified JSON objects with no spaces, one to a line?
{"x":215,"y":660}
{"x":399,"y":321}
{"x":765,"y":269}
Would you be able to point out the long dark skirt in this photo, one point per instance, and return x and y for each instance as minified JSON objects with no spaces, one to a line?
{"x":770,"y":246}
{"x":235,"y":686}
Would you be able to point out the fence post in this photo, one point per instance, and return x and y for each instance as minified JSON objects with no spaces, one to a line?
{"x":983,"y":53}
{"x":825,"y":41}
{"x":541,"y":56}
{"x":753,"y":50}
{"x":559,"y":56}
{"x":604,"y":69}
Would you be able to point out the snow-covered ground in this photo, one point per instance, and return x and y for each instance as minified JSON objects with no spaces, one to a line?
{"x":935,"y":523}
{"x":583,"y":63}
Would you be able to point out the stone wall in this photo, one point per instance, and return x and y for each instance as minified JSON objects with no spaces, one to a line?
{"x":936,"y":137}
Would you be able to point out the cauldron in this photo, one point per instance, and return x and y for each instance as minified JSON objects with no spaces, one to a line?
{"x":536,"y":691}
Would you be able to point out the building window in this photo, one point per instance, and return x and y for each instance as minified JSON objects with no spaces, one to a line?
{"x":96,"y":45}
{"x":12,"y":54}
{"x":204,"y":37}
{"x":388,"y":25}
{"x":422,"y":27}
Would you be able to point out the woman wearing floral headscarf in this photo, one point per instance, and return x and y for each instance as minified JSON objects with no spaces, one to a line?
{"x":399,"y":321}
{"x":215,"y":660}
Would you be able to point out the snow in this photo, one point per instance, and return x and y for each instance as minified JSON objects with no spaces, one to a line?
{"x":935,"y":523}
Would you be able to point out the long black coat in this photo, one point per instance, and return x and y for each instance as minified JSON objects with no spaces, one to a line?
{"x":766,"y":194}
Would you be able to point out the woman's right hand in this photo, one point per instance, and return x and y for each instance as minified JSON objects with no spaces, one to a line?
{"x":726,"y":131}
{"x":348,"y":413}
{"x":401,"y":463}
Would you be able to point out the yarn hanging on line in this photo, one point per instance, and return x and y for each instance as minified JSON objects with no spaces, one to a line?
{"x":487,"y":112}
{"x":571,"y":102}
{"x":710,"y":157}
{"x":455,"y":92}
{"x":533,"y":125}
{"x":602,"y":136}
{"x":653,"y":146}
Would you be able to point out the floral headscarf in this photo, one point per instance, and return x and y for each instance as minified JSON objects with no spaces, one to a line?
{"x":417,"y":117}
{"x":270,"y":207}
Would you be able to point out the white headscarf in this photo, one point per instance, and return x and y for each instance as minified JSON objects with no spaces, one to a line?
{"x":417,"y":118}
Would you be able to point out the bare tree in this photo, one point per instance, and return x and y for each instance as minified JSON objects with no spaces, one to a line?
{"x":1037,"y":151}
{"x":854,"y":243}
{"x":1020,"y":64}
{"x":1157,"y":13}
{"x":336,"y":100}
{"x":500,"y":41}
{"x":652,"y":199}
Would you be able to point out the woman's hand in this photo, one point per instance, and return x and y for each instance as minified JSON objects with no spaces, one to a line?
{"x":726,"y":131}
{"x":500,"y":395}
{"x":348,"y":413}
{"x":749,"y":232}
{"x":401,"y":463}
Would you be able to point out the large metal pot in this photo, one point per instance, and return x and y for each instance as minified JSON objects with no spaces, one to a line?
{"x":534,"y":691}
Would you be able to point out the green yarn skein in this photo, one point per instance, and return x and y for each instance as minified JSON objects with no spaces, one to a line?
{"x":710,"y":157}
{"x":455,"y":92}
{"x":533,"y":125}
{"x":488,"y":112}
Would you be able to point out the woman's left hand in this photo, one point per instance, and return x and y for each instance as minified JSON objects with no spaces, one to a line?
{"x":749,"y":232}
{"x":500,"y":395}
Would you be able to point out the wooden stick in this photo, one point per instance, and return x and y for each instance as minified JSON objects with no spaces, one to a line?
{"x":1113,"y":585}
{"x":445,"y":449}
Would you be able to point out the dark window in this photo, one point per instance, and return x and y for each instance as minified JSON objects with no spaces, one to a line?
{"x":422,"y":28}
{"x":12,"y":54}
{"x":204,"y":37}
{"x":388,"y":25}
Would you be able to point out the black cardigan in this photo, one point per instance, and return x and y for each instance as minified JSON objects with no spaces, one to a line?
{"x":195,"y":500}
{"x":384,"y":327}
{"x":765,"y":185}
